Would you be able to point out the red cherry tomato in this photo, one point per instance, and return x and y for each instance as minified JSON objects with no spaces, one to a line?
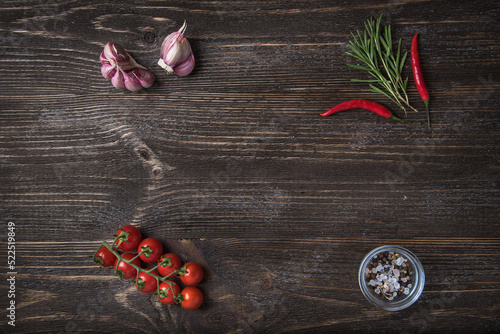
{"x":104,"y":257}
{"x":193,"y":275}
{"x":152,"y":249}
{"x":175,"y":264}
{"x":130,"y":237}
{"x":165,"y":293}
{"x":146,"y":283}
{"x":124,"y":270}
{"x":192,"y":298}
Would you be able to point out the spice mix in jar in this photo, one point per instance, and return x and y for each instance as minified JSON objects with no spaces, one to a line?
{"x":391,"y":277}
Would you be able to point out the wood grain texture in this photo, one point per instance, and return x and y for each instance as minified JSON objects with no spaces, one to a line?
{"x":233,"y":167}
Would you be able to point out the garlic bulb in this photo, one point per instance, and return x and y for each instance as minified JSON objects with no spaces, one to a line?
{"x":123,"y":71}
{"x":176,"y":54}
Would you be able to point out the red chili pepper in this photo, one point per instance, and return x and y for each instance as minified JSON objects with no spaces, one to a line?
{"x":419,"y":78}
{"x":362,"y":104}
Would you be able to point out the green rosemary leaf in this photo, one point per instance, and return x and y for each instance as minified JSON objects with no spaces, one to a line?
{"x":371,"y":52}
{"x":392,"y":71}
{"x":385,"y":45}
{"x":394,"y":67}
{"x":388,"y":37}
{"x":402,"y":63}
{"x":358,"y":50}
{"x":359,"y":67}
{"x":375,"y":89}
{"x":398,"y":54}
{"x":355,"y":55}
{"x":365,"y":80}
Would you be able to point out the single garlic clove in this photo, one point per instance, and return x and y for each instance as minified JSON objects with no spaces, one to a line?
{"x":108,"y":71}
{"x":108,"y":51}
{"x":185,"y":67}
{"x":104,"y":60}
{"x":114,"y":52}
{"x":145,"y":77}
{"x":118,"y":80}
{"x":131,"y":82}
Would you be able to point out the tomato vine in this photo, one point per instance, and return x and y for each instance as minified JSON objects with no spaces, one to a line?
{"x":166,"y":268}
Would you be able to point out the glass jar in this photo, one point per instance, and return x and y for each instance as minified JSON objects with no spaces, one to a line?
{"x":384,"y":284}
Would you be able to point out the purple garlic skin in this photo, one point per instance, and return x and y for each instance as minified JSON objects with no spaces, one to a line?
{"x":122,"y":70}
{"x":176,"y":55}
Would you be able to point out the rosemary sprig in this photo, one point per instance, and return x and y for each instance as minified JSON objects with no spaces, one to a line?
{"x":374,"y":47}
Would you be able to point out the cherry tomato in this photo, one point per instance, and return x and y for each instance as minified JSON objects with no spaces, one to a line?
{"x":152,"y":248}
{"x":175,"y":264}
{"x":124,"y":270}
{"x":193,"y":275}
{"x":104,"y":257}
{"x":130,"y":237}
{"x":146,"y":283}
{"x":165,"y":293}
{"x":192,"y":298}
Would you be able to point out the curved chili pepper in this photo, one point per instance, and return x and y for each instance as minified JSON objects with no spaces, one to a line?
{"x":363,"y":104}
{"x":419,"y":78}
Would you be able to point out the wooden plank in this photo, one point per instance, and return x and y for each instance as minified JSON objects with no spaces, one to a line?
{"x":258,"y":283}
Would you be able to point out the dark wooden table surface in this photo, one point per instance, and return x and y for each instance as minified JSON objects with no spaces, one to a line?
{"x":233,"y":167}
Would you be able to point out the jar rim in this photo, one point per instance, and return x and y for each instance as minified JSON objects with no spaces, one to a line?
{"x":418,"y":279}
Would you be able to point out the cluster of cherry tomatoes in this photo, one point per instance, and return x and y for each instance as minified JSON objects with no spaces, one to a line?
{"x":137,"y":253}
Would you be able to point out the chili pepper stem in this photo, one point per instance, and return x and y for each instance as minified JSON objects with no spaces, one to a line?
{"x":426,"y":102}
{"x":402,"y":120}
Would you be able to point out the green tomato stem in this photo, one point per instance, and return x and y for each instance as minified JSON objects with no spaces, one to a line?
{"x":155,"y":267}
{"x":139,"y":269}
{"x":115,"y":244}
{"x":135,"y":257}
